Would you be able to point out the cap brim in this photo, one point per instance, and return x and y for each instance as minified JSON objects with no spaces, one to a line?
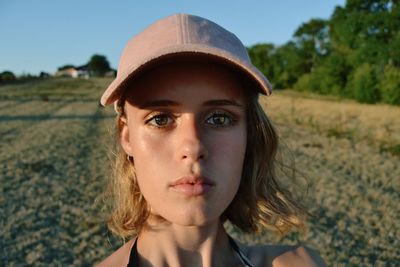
{"x":114,"y":90}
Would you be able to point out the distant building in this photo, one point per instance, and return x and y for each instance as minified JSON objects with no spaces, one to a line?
{"x":73,"y":72}
{"x":69,"y":72}
{"x":111,"y":73}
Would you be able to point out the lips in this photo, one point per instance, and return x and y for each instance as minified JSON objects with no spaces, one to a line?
{"x":192,"y":185}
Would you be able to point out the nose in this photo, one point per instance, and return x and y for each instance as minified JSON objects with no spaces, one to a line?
{"x":192,"y":147}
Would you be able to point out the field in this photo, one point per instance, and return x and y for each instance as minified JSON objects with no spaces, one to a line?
{"x":54,"y":158}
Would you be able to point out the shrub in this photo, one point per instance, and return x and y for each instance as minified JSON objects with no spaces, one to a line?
{"x":98,"y":65}
{"x":7,"y":76}
{"x":389,"y":85}
{"x":304,"y":83}
{"x":363,"y":84}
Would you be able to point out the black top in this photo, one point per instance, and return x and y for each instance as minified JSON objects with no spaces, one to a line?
{"x":133,"y":258}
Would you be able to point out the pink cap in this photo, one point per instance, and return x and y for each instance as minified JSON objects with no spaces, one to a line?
{"x":176,"y":35}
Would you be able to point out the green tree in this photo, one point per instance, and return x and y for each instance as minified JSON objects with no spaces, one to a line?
{"x":289,"y":65}
{"x":365,"y":29}
{"x":262,"y":57}
{"x":7,"y":76}
{"x":98,"y":65}
{"x":363,"y":84}
{"x":44,"y":74}
{"x":330,"y":77}
{"x":389,"y":85}
{"x":312,"y":40}
{"x":356,"y":53}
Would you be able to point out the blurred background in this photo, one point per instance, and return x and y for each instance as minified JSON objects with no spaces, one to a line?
{"x":335,"y":68}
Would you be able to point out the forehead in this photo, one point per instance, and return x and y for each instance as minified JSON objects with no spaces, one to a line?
{"x":186,"y":80}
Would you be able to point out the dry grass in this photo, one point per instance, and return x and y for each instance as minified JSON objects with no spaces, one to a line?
{"x":376,"y":124}
{"x":53,"y":162}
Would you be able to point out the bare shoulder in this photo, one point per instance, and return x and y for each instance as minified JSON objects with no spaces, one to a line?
{"x":119,"y":258}
{"x":298,"y":256}
{"x":281,"y":256}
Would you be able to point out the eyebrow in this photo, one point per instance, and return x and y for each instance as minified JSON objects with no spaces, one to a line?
{"x":168,"y":103}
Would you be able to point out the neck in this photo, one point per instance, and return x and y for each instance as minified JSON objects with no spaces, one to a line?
{"x":161,"y":244}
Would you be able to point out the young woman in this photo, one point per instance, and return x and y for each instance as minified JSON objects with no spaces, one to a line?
{"x":195,"y":150}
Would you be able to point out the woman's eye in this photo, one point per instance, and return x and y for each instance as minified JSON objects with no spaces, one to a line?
{"x":221,"y":120}
{"x":160,"y":120}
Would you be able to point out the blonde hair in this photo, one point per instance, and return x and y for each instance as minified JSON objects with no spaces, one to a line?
{"x":261,"y":202}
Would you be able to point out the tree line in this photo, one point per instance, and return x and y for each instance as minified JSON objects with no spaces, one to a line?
{"x":97,"y":66}
{"x":354,"y":54}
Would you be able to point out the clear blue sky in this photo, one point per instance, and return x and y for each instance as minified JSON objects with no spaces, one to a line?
{"x":42,"y":35}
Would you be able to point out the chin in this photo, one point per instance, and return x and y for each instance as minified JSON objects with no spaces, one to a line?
{"x":192,"y":217}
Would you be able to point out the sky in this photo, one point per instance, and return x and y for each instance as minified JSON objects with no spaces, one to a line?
{"x":42,"y":35}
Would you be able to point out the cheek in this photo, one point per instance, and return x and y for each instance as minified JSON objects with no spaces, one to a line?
{"x":148,"y":150}
{"x":150,"y":155}
{"x":226,"y":163}
{"x":144,"y":144}
{"x":229,"y":147}
{"x":226,"y":166}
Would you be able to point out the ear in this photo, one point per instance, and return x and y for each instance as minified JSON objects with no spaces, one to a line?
{"x":124,"y":137}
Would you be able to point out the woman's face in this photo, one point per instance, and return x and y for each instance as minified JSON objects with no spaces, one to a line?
{"x":186,"y":130}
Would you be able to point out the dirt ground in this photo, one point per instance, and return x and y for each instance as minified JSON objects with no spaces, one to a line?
{"x":55,"y":143}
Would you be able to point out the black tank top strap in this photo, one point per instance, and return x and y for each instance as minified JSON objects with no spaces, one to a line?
{"x":245,"y":261}
{"x":133,"y":257}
